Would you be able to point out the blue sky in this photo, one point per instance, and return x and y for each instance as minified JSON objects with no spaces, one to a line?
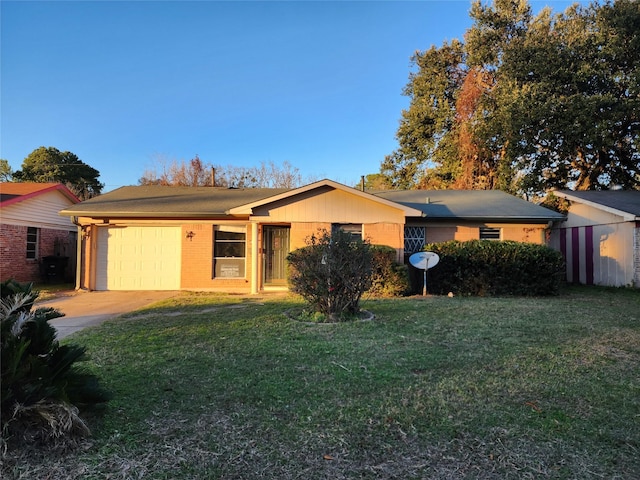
{"x":123,"y":84}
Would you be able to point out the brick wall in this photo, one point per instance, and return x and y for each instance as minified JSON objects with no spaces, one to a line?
{"x":440,"y":234}
{"x":524,"y":234}
{"x":13,"y":248}
{"x":197,"y":261}
{"x":391,"y":234}
{"x":300,"y":231}
{"x":463,"y":233}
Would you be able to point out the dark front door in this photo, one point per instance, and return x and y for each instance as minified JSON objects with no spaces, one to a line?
{"x":276,"y":248}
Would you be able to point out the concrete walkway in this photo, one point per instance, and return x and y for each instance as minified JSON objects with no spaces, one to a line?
{"x":83,"y":309}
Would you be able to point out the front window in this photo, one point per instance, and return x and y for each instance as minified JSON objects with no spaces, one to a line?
{"x":354,"y":229}
{"x":229,"y":251}
{"x":487,"y":233}
{"x":32,"y":243}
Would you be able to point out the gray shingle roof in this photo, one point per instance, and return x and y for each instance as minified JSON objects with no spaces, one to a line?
{"x":200,"y":202}
{"x":160,"y":201}
{"x":472,"y":205}
{"x":627,"y":201}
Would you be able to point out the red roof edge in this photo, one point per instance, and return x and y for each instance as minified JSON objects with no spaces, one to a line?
{"x":52,"y":188}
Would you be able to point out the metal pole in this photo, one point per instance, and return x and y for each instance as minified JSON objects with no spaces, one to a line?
{"x":424,"y":288}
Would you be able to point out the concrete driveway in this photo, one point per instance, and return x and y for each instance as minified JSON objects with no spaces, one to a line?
{"x":83,"y":309}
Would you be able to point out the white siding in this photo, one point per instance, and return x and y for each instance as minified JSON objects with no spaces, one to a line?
{"x":40,"y":211}
{"x":636,"y":257}
{"x":614,"y":256}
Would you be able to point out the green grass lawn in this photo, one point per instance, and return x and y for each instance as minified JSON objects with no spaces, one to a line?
{"x":225,"y":387}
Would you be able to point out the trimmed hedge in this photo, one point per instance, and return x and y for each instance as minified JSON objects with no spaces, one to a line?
{"x":388,"y":278}
{"x":486,"y":268}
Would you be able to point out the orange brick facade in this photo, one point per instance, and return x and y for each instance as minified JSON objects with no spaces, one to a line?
{"x":197,"y":248}
{"x":464,"y":233}
{"x":197,"y":261}
{"x":186,"y":242}
{"x":197,"y":251}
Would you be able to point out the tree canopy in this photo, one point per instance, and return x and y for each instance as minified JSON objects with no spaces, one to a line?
{"x":6,"y":172}
{"x":48,"y":164}
{"x":526,"y":103}
{"x":196,"y":173}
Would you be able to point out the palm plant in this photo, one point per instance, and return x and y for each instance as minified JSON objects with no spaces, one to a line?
{"x":41,"y":384}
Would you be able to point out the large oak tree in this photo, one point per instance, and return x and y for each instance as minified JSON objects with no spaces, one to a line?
{"x":526,"y":103}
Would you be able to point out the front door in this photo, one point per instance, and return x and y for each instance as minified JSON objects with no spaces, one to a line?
{"x":275,"y":248}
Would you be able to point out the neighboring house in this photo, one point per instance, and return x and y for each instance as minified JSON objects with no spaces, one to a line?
{"x":36,"y":243}
{"x":237,"y":240}
{"x":601,"y":237}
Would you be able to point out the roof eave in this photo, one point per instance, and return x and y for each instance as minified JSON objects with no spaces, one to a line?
{"x":130,"y":215}
{"x":56,"y":187}
{"x":628,"y":217}
{"x":496,"y":219}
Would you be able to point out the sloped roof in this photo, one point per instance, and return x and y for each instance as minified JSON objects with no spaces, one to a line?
{"x":154,"y":201}
{"x":14,"y":192}
{"x":157,"y":201}
{"x":487,"y":205}
{"x":625,"y":203}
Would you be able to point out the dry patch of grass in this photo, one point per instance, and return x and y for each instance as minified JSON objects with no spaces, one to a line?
{"x":433,"y":387}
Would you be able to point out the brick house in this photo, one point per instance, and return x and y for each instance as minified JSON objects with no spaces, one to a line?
{"x":36,"y":243}
{"x":237,"y":240}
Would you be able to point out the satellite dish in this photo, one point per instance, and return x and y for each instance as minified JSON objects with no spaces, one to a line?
{"x":424,"y":260}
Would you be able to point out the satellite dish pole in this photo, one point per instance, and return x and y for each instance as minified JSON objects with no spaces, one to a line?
{"x":424,"y":283}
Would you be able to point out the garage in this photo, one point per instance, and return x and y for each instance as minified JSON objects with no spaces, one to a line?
{"x":138,"y":258}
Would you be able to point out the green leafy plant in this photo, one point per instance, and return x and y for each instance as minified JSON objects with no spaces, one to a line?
{"x":388,"y":278}
{"x":485,"y":268}
{"x":331,"y":273}
{"x":42,"y":386}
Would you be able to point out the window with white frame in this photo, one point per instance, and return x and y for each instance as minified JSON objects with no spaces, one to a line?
{"x":33,"y":234}
{"x":488,"y":233}
{"x":414,"y":239}
{"x":229,"y":251}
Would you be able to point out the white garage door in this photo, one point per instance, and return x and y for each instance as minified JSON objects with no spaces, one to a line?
{"x":138,"y":258}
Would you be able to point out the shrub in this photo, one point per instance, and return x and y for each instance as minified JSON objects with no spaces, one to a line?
{"x":42,"y":386}
{"x":331,"y":273}
{"x":388,"y":278}
{"x":481,"y":267}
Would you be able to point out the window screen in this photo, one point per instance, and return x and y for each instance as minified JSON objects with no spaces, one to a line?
{"x":487,"y":233}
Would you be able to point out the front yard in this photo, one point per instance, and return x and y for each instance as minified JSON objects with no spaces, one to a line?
{"x":226,"y":387}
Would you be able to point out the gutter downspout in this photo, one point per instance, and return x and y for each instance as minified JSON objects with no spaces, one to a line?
{"x":74,"y":220}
